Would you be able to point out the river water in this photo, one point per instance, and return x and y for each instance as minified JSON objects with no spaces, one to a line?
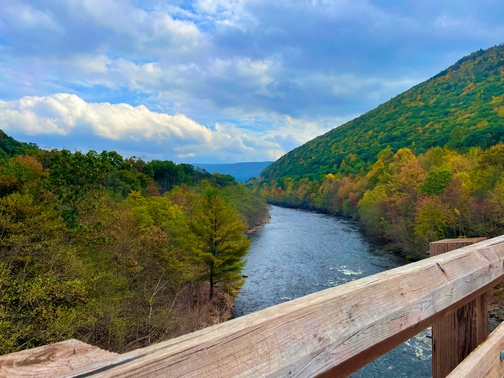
{"x":301,"y":252}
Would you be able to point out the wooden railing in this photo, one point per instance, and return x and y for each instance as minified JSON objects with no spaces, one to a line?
{"x":330,"y":333}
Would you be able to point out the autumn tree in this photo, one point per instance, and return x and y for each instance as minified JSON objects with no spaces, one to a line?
{"x":218,"y":241}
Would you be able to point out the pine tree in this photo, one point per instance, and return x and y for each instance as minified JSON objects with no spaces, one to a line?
{"x":218,"y":230}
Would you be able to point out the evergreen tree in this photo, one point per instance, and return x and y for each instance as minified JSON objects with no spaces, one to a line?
{"x":220,"y":243}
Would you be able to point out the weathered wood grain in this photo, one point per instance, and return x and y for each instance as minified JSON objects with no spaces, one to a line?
{"x":51,"y":360}
{"x":458,"y":334}
{"x":485,"y":360}
{"x":336,"y":331}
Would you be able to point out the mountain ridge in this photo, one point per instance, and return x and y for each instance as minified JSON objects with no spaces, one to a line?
{"x":460,"y":107}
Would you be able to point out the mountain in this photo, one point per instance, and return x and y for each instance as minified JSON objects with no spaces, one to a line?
{"x":461,"y":107}
{"x":10,"y":147}
{"x":241,"y":171}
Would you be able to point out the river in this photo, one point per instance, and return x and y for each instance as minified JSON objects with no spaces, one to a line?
{"x":301,"y":252}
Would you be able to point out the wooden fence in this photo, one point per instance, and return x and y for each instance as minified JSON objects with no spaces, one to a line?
{"x":329,"y":333}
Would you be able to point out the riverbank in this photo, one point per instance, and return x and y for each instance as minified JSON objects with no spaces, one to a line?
{"x":258,"y":226}
{"x":221,"y":307}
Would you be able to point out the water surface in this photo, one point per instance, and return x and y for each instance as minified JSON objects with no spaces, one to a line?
{"x":301,"y":252}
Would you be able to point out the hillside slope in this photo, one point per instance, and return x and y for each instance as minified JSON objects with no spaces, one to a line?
{"x":461,"y":107}
{"x":10,"y":147}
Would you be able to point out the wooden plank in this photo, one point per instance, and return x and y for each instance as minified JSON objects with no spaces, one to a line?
{"x":457,"y":334}
{"x":337,"y":330}
{"x":485,"y":360}
{"x":51,"y":360}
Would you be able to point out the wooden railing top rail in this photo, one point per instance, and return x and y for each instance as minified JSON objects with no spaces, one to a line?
{"x":51,"y":360}
{"x":335,"y":331}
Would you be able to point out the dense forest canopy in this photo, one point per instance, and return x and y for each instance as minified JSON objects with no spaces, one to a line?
{"x":119,"y":253}
{"x":460,"y":108}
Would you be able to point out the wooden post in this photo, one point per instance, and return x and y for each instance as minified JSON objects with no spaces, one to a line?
{"x":455,"y":336}
{"x":485,"y":360}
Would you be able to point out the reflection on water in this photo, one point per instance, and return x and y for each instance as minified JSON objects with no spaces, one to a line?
{"x":301,"y":252}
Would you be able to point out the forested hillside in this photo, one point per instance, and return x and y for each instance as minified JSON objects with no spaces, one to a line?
{"x":407,"y":200}
{"x":10,"y":147}
{"x":460,"y":108}
{"x":119,"y":253}
{"x":427,"y":165}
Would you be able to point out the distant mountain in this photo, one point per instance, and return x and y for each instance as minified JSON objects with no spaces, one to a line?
{"x":461,"y":107}
{"x":240,"y":171}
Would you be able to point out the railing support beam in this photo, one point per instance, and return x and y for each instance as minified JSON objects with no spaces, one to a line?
{"x":456,"y":335}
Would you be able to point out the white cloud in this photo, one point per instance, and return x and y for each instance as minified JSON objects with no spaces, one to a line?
{"x":254,"y":76}
{"x":25,"y":16}
{"x":296,"y":131}
{"x":345,"y":86}
{"x":143,"y":27}
{"x":180,"y":136}
{"x":94,"y":64}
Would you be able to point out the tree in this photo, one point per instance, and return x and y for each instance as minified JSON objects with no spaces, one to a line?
{"x":219,"y":241}
{"x":432,"y":220}
{"x":436,"y":181}
{"x":42,"y":293}
{"x":373,"y":210}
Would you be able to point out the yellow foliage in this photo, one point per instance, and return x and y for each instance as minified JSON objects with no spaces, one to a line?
{"x":467,"y":185}
{"x":469,"y":87}
{"x":482,"y":124}
{"x":432,"y":219}
{"x":499,"y":111}
{"x":330,"y":176}
{"x":464,"y":116}
{"x":497,"y":100}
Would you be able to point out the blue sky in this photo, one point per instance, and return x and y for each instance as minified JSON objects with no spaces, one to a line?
{"x":219,"y":81}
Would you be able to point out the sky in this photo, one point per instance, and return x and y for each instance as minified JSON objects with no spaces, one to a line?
{"x":219,"y":81}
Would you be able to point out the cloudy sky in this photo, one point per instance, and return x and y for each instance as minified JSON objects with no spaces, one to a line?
{"x":219,"y":81}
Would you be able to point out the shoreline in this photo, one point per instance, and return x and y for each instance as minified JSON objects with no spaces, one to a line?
{"x":257,"y":227}
{"x":225,"y":311}
{"x":495,"y":295}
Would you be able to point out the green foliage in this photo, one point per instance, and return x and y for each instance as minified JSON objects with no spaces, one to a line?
{"x":460,"y":108}
{"x":218,"y":241}
{"x":436,"y":181}
{"x":89,"y":249}
{"x":252,"y":207}
{"x":40,"y":299}
{"x":169,"y":175}
{"x":10,"y":147}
